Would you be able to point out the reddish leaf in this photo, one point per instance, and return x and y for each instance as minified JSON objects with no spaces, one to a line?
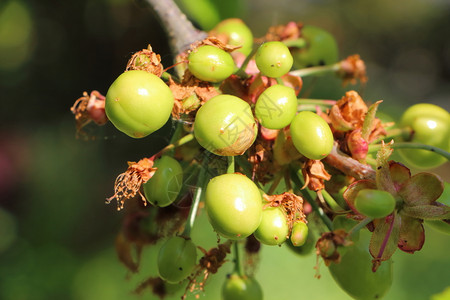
{"x":385,"y":238}
{"x":427,"y":212}
{"x":421,"y":189}
{"x":412,"y":235}
{"x":399,"y":174}
{"x":353,"y":189}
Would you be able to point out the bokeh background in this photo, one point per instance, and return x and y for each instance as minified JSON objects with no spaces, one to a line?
{"x":56,"y":233}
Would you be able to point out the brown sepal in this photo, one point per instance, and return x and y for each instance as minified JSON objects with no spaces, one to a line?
{"x":314,"y":174}
{"x":146,"y":60}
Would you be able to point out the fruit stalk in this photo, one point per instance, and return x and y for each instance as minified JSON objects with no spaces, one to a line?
{"x":375,"y":148}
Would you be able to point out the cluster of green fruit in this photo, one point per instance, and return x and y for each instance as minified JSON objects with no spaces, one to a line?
{"x":138,"y":103}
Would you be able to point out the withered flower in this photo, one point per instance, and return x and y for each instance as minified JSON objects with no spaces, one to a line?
{"x":146,"y":60}
{"x":90,"y":107}
{"x":128,"y":184}
{"x":314,"y":174}
{"x":352,"y":69}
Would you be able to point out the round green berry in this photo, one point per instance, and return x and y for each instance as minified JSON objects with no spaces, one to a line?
{"x":165,"y":185}
{"x":138,"y":103}
{"x":273,"y":229}
{"x":209,"y":63}
{"x":225,"y":125}
{"x":311,"y":135}
{"x":238,"y":287}
{"x":237,"y":32}
{"x":431,"y":126}
{"x":321,"y":48}
{"x":273,"y":59}
{"x":374,"y":203}
{"x":176,"y":259}
{"x":299,"y":234}
{"x":234,"y":205}
{"x":276,"y":106}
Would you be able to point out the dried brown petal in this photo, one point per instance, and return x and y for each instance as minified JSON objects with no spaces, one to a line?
{"x":352,"y":69}
{"x":128,"y":184}
{"x":291,"y":204}
{"x":146,"y":60}
{"x":90,"y":107}
{"x":314,"y":174}
{"x":349,"y":112}
{"x":328,"y":243}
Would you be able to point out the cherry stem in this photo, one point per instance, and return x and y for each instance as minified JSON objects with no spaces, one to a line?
{"x":407,"y":145}
{"x":319,"y":70}
{"x":322,"y":102}
{"x":299,"y":183}
{"x":359,"y":226}
{"x":297,"y":43}
{"x":241,"y":72}
{"x":231,"y":166}
{"x":395,"y":132}
{"x":238,"y":267}
{"x":185,"y":139}
{"x":275,"y":183}
{"x":195,"y":202}
{"x":334,"y":206}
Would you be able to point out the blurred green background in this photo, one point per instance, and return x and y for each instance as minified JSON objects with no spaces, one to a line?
{"x":56,"y":233}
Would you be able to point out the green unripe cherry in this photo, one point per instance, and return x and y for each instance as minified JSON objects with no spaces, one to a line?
{"x":273,"y":229}
{"x":234,"y":205}
{"x":165,"y":185}
{"x":431,"y":126}
{"x":225,"y":125}
{"x":138,"y":103}
{"x":176,"y":259}
{"x":238,"y":287}
{"x":276,"y":106}
{"x":311,"y":135}
{"x":354,"y":273}
{"x":209,"y":63}
{"x":321,"y":48}
{"x":374,"y":203}
{"x":238,"y":34}
{"x":273,"y":59}
{"x":299,"y":234}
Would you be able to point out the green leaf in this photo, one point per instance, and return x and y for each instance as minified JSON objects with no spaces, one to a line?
{"x":421,"y":189}
{"x":427,"y":212}
{"x":412,"y":235}
{"x":385,"y":238}
{"x":369,"y":120}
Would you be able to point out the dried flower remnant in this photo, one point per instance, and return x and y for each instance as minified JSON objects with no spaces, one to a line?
{"x":90,"y":107}
{"x":190,"y":94}
{"x":348,"y":113}
{"x":128,"y":184}
{"x":352,"y":69}
{"x":291,"y":204}
{"x":209,"y":264}
{"x":290,"y":31}
{"x":314,"y":174}
{"x":327,"y":245}
{"x":146,"y":60}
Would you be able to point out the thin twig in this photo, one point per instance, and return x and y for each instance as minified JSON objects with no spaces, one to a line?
{"x":179,"y":29}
